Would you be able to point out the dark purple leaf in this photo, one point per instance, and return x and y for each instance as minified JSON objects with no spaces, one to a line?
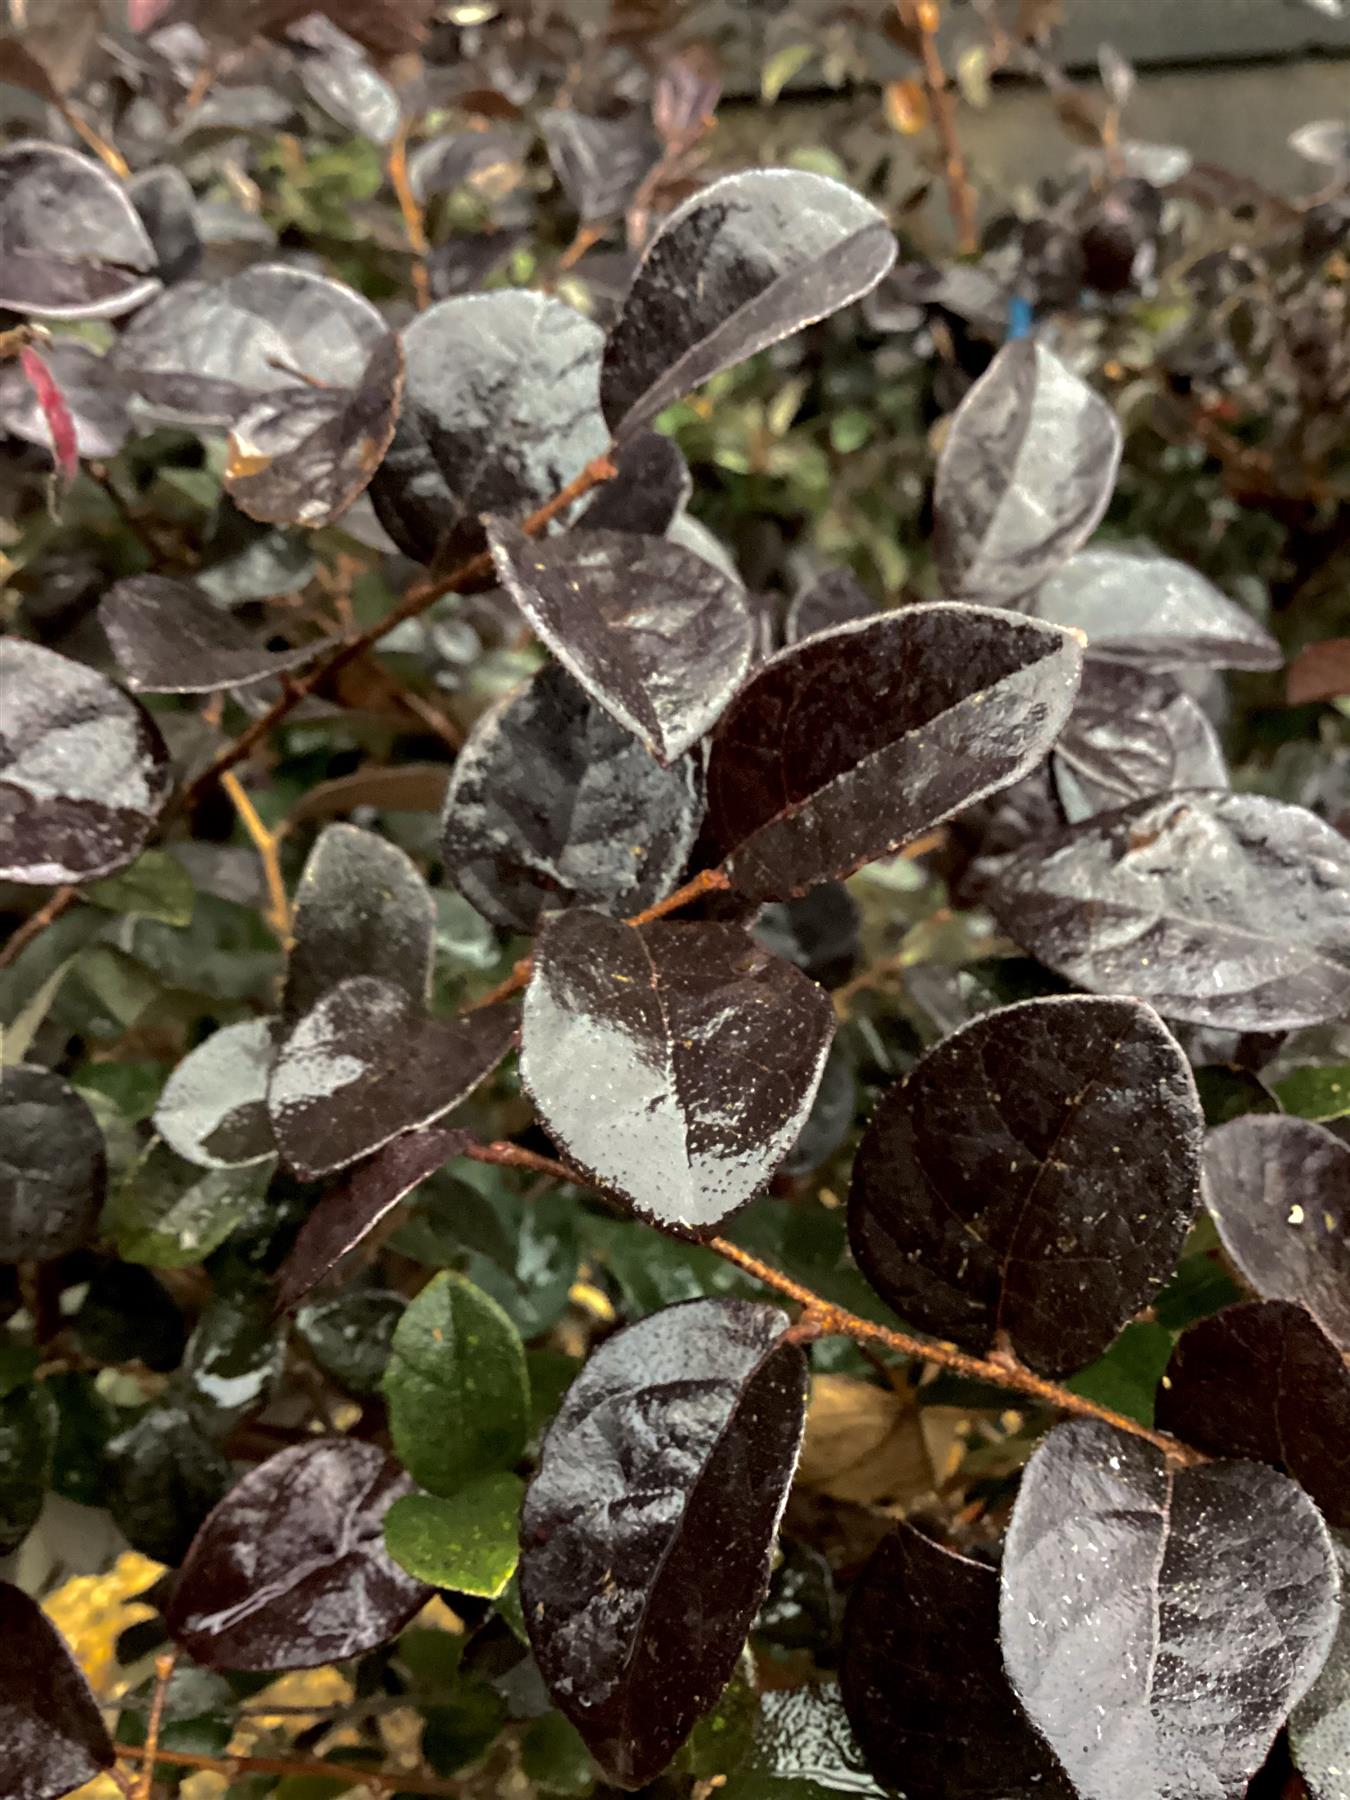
{"x":500,"y":411}
{"x":462,"y":264}
{"x":741,"y":265}
{"x":53,"y":1169}
{"x":1159,"y":1622}
{"x":477,"y":159}
{"x":1279,"y":1191}
{"x":600,"y":162}
{"x":164,"y":200}
{"x":339,"y":76}
{"x":653,"y":632}
{"x":71,"y":244}
{"x":1221,"y":909}
{"x":361,"y":908}
{"x":647,"y":1532}
{"x":1034,"y":1175}
{"x":93,"y":394}
{"x":52,"y":1735}
{"x":844,"y":747}
{"x":290,"y":1570}
{"x":1319,"y":1726}
{"x":819,"y":931}
{"x":649,"y":490}
{"x":1149,"y":610}
{"x":302,"y":455}
{"x":84,"y":772}
{"x":365,"y":1065}
{"x":923,"y":1683}
{"x":835,"y":598}
{"x":1264,"y":1380}
{"x":170,"y":638}
{"x":674,"y":1063}
{"x":1132,"y":734}
{"x":1319,"y":672}
{"x":347,"y":1214}
{"x":1024,"y":475}
{"x":551,"y":805}
{"x":213,"y":1108}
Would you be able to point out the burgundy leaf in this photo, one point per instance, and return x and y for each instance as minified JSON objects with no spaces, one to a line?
{"x":834,"y":598}
{"x":1132,"y":734}
{"x":650,"y":487}
{"x":52,"y":1735}
{"x":170,"y":638}
{"x":71,"y":245}
{"x":53,"y":1168}
{"x":599,"y":162}
{"x":1319,"y":672}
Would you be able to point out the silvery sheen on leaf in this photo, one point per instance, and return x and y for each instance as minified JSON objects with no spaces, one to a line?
{"x":1132,"y":734}
{"x":213,"y":1108}
{"x":169,"y":637}
{"x":71,"y":243}
{"x":52,"y":1735}
{"x":53,"y":1166}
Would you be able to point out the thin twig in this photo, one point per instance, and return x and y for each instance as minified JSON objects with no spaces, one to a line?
{"x":36,"y":923}
{"x":923,"y":18}
{"x":414,"y":225}
{"x":398,"y":1781}
{"x":514,"y":1156}
{"x":278,"y":912}
{"x":163,"y":1675}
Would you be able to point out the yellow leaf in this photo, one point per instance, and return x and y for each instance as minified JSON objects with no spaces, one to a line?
{"x":906,"y":107}
{"x":864,"y":1443}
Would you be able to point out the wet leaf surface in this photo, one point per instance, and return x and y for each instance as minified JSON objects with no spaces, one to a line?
{"x":468,"y":1542}
{"x":83,"y":770}
{"x":802,"y":1746}
{"x":170,"y":1213}
{"x":835,"y":598}
{"x":52,"y":1735}
{"x":650,"y":486}
{"x":1319,"y":1726}
{"x":1279,"y":1192}
{"x":680,"y":1432}
{"x":923,"y":1683}
{"x":213,"y":1109}
{"x":1132,"y":734}
{"x":53,"y":1168}
{"x":1158,"y":1623}
{"x":349,"y":1334}
{"x":290,"y":1570}
{"x":552,"y":804}
{"x":71,"y":244}
{"x":1035,"y":1174}
{"x":93,"y":397}
{"x":1221,"y":909}
{"x":659,"y":637}
{"x":365,"y":1064}
{"x":743,"y":264}
{"x":1263,"y":1380}
{"x":674,"y":1063}
{"x":1024,"y":476}
{"x":164,"y":1476}
{"x":169,"y":638}
{"x":845,"y":747}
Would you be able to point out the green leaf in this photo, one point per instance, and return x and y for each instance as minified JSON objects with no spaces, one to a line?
{"x":17,"y":1362}
{"x":1126,"y":1378}
{"x":169,"y":1214}
{"x":468,"y":1542}
{"x":156,"y":886}
{"x":349,"y":1335}
{"x":780,"y":69}
{"x":554,"y":1758}
{"x":1321,"y":1093}
{"x":27,"y":1438}
{"x":458,"y":1395}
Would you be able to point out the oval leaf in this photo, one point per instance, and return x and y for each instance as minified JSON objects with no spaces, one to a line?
{"x":1222,"y":909}
{"x":741,"y":265}
{"x":1319,"y":1726}
{"x":1034,"y":1175}
{"x":1132,"y":734}
{"x":71,"y":243}
{"x":674,"y":1063}
{"x":551,"y":805}
{"x":1024,"y":476}
{"x":845,"y":747}
{"x":468,"y":1542}
{"x":169,"y":638}
{"x":53,"y":1168}
{"x":84,"y":772}
{"x":680,"y":1435}
{"x":649,"y":488}
{"x":1158,"y":1623}
{"x":290,"y":1570}
{"x":653,"y":632}
{"x":834,"y":598}
{"x":213,"y":1108}
{"x":52,"y":1735}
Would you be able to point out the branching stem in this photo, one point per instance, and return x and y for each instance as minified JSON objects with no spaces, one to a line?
{"x":397,"y":1781}
{"x":923,"y":18}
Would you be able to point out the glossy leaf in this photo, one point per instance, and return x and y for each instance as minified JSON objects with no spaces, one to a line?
{"x":170,"y":1213}
{"x":674,"y":1063}
{"x":834,"y":598}
{"x":1263,"y":1380}
{"x":1158,"y":1623}
{"x":1319,"y":1726}
{"x":600,"y":162}
{"x":648,"y":490}
{"x":1279,"y":1192}
{"x":459,"y":1400}
{"x":366,"y":1064}
{"x":1132,"y":734}
{"x":71,"y":244}
{"x":52,"y":1735}
{"x":551,"y":804}
{"x":802,"y":1745}
{"x":53,"y":1168}
{"x":348,"y":1334}
{"x":164,"y":1476}
{"x":290,"y":1570}
{"x":923,"y":1682}
{"x":1228,"y":910}
{"x":213,"y":1108}
{"x":845,"y":747}
{"x":1024,"y":476}
{"x":92,"y":394}
{"x":169,"y":638}
{"x":680,"y":1433}
{"x":659,"y":637}
{"x":1319,"y":1091}
{"x":83,"y":770}
{"x":467,"y":1542}
{"x":1035,"y":1175}
{"x":744,"y":263}
{"x":500,"y":411}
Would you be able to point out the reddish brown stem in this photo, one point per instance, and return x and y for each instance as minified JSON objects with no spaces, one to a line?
{"x":398,"y":1781}
{"x":36,"y":923}
{"x":923,"y":18}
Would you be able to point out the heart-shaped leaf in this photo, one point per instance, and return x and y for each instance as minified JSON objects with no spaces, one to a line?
{"x":657,"y":635}
{"x":1279,"y":1192}
{"x":1158,"y":1623}
{"x":1264,"y":1380}
{"x":213,"y":1107}
{"x":1319,"y":1726}
{"x":674,"y":1063}
{"x":93,"y":396}
{"x":923,"y":1681}
{"x":1223,"y":909}
{"x":649,"y":488}
{"x":741,"y":265}
{"x":169,"y":638}
{"x":469,"y":1541}
{"x":681,"y":1433}
{"x":835,"y":598}
{"x":1034,"y":1175}
{"x":1132,"y":734}
{"x":71,"y":244}
{"x":846,"y":746}
{"x":348,"y":1213}
{"x":53,"y":1168}
{"x":551,"y":804}
{"x":1024,"y":475}
{"x":365,"y":1064}
{"x":84,"y":772}
{"x":500,"y":411}
{"x":52,"y":1735}
{"x":290,"y":1570}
